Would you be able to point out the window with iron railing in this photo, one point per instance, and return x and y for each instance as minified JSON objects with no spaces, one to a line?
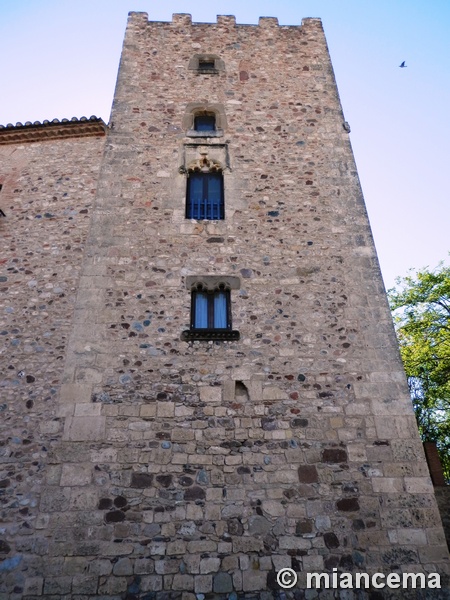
{"x":205,"y":197}
{"x":211,"y":310}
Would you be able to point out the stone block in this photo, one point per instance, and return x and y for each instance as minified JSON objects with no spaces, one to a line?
{"x":55,"y":500}
{"x":87,"y":376}
{"x":176,"y":547}
{"x":209,"y":565}
{"x":100,"y":567}
{"x":144,"y":566}
{"x":180,"y":434}
{"x":33,"y":586}
{"x":273,"y":508}
{"x":86,"y":409}
{"x":313,"y":563}
{"x":50,"y":427}
{"x":82,"y":584}
{"x":418,"y":485}
{"x":183,"y":582}
{"x":323,"y":522}
{"x":274,"y":393}
{"x":83,"y":498}
{"x":165,"y":409}
{"x":211,"y":394}
{"x":167,"y":565}
{"x":199,"y":546}
{"x":148,"y":410}
{"x":387,"y":485}
{"x":74,"y":393}
{"x":410,"y":537}
{"x":433,"y":555}
{"x":83,"y":429}
{"x":57,"y":585}
{"x":254,"y":580}
{"x":75,"y":475}
{"x":151,"y":583}
{"x":356,"y":452}
{"x":123,"y":567}
{"x":222,"y":583}
{"x":203,"y":584}
{"x":294,"y":543}
{"x":295,"y":511}
{"x":112,"y":586}
{"x":284,"y":476}
{"x":308,"y":474}
{"x":104,"y":455}
{"x":247,"y":544}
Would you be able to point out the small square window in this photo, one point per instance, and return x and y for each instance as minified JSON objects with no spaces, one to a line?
{"x":206,"y":65}
{"x":205,"y":123}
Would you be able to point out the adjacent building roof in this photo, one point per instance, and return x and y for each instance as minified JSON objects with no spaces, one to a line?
{"x":51,"y":130}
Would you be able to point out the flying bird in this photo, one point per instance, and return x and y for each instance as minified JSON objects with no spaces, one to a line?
{"x":403,"y":65}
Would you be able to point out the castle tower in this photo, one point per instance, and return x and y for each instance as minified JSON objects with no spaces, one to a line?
{"x":232,"y":401}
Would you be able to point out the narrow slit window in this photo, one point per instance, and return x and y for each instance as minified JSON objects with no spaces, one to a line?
{"x":205,"y":198}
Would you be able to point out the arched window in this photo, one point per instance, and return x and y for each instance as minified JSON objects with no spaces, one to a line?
{"x":204,"y":122}
{"x":211,"y":309}
{"x":203,"y":119}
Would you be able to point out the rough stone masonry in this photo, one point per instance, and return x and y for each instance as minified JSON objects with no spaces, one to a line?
{"x":146,"y":455}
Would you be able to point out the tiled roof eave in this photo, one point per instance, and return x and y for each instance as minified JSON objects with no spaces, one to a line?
{"x":52,"y":130}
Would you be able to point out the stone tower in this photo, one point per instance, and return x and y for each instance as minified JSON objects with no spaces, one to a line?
{"x":232,"y":400}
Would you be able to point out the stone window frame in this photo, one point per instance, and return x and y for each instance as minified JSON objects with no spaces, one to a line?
{"x":195,"y":64}
{"x":211,"y":284}
{"x":195,"y":109}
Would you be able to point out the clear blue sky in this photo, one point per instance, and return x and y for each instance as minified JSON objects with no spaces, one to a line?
{"x":59,"y":58}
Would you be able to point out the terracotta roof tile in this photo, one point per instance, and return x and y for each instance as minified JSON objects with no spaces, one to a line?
{"x":52,"y":130}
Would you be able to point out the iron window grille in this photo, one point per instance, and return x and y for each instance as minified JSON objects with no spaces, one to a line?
{"x":205,"y":197}
{"x":210,"y":315}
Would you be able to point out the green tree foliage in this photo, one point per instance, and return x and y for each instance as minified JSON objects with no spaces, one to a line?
{"x":421,"y":307}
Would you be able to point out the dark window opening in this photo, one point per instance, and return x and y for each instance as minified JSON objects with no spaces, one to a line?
{"x":205,"y":198}
{"x":211,"y":310}
{"x":205,"y":123}
{"x":206,"y":65}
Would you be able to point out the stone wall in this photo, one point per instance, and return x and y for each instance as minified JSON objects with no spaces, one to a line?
{"x":197,"y":469}
{"x":48,"y":189}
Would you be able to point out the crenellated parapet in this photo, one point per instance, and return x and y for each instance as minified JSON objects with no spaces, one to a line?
{"x":185,"y":20}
